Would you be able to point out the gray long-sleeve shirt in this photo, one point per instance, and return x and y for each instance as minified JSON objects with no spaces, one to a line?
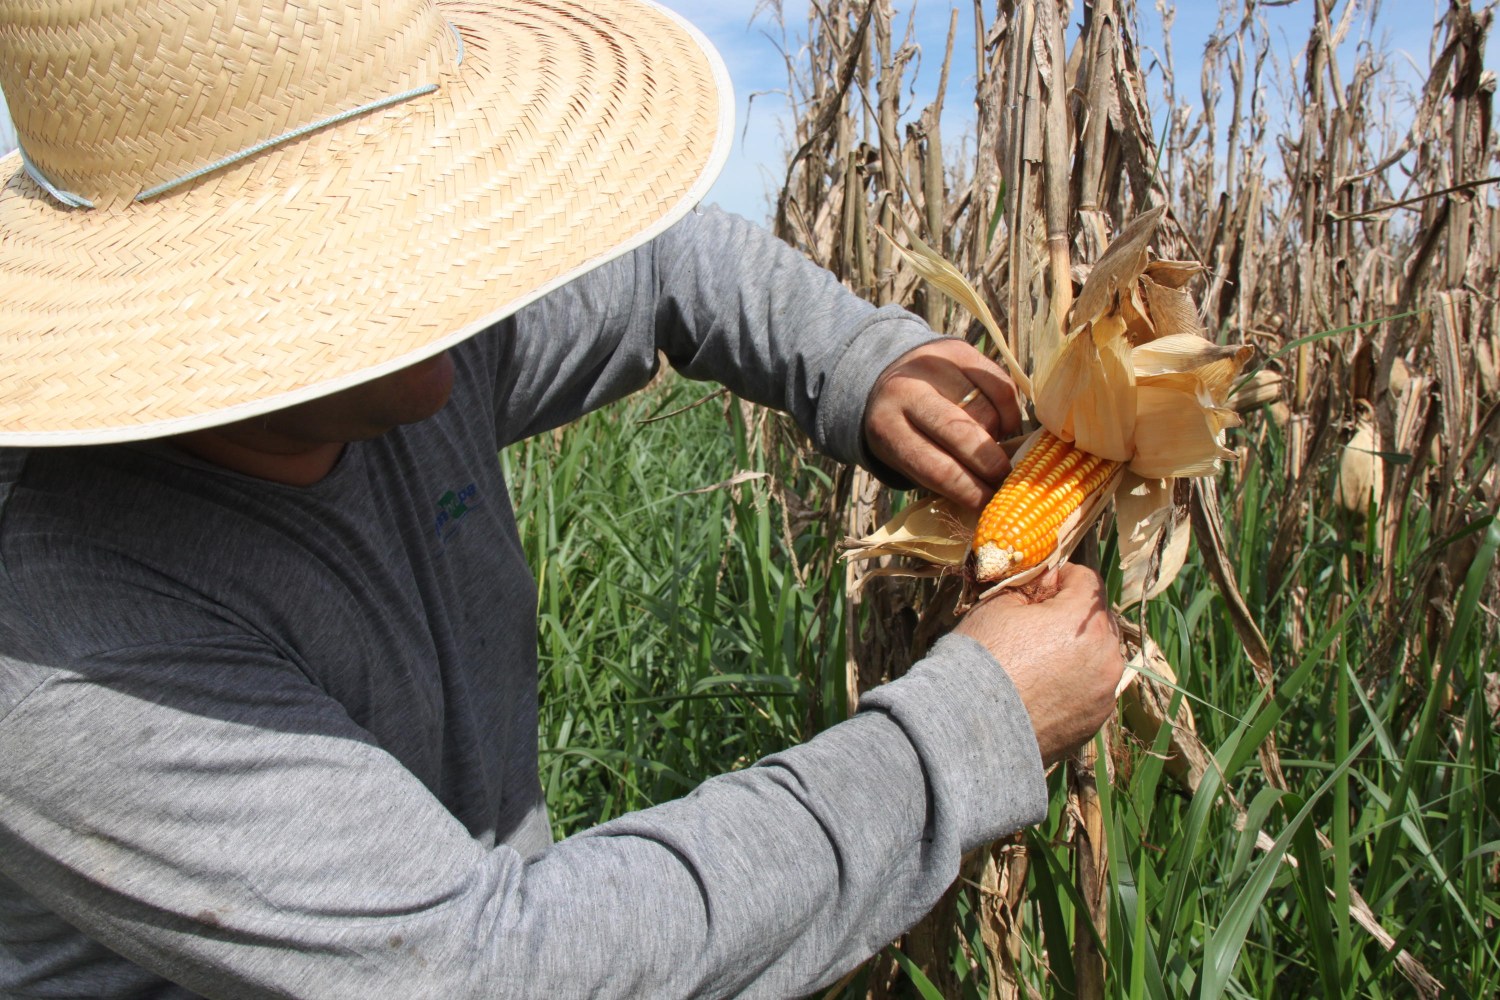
{"x":266,"y":741}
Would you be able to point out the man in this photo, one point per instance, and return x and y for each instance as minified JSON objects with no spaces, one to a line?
{"x":268,"y":726}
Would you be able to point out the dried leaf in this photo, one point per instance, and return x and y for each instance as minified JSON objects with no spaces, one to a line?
{"x":934,"y":529}
{"x":1209,"y":529}
{"x":1173,"y":273}
{"x":738,"y":479}
{"x":1176,"y":434}
{"x":943,"y":276}
{"x":1147,"y":707}
{"x":1137,"y":316}
{"x":1185,"y":352}
{"x":1089,"y":398}
{"x":1153,"y":534}
{"x":1173,"y":311}
{"x":1117,"y":269}
{"x":1256,"y":391}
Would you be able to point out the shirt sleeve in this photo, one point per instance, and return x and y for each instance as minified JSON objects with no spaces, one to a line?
{"x":722,"y":300}
{"x":224,"y":824}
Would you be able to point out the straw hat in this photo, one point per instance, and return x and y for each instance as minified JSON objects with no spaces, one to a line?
{"x":400,"y":174}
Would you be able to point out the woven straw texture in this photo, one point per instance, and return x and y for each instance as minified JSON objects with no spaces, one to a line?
{"x":570,"y":133}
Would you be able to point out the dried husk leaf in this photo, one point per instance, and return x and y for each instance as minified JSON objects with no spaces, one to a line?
{"x":1173,"y":310}
{"x":1046,"y":344}
{"x":1186,"y":352}
{"x":1116,"y":270}
{"x":1153,"y":532}
{"x":1108,"y":330}
{"x":1219,"y":376}
{"x":934,"y":529}
{"x":1088,"y":397}
{"x":1137,"y":316}
{"x":1173,"y":273}
{"x":1147,"y":707}
{"x":1178,"y":428}
{"x":930,"y":265}
{"x":1182,"y":384}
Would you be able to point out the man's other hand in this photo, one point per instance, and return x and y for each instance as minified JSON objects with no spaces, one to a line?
{"x":1061,"y":649}
{"x":935,"y":415}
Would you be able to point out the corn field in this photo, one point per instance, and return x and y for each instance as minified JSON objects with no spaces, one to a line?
{"x":1351,"y":772}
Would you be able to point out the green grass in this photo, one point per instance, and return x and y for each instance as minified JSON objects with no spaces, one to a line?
{"x":677,"y":642}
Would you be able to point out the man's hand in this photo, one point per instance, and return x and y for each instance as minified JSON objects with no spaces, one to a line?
{"x":918,"y":423}
{"x":1060,"y":647}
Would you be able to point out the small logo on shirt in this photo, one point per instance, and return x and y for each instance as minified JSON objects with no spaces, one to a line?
{"x":453,"y":507}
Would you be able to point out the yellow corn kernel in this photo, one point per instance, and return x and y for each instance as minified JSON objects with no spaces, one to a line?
{"x":1020,"y":525}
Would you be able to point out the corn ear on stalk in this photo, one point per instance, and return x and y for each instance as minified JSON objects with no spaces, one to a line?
{"x":1142,"y":394}
{"x":1020,"y":526}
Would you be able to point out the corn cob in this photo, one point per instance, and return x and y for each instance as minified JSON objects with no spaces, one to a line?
{"x":1019,"y":527}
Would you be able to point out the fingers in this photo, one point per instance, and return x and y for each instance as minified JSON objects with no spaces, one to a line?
{"x":998,"y":395}
{"x":933,"y":466}
{"x":960,"y":433}
{"x":935,"y":415}
{"x":976,"y":383}
{"x":1081,"y":584}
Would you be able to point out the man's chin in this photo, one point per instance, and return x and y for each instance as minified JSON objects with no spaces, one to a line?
{"x":422,"y":390}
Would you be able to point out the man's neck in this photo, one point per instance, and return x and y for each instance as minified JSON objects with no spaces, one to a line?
{"x":279,"y":461}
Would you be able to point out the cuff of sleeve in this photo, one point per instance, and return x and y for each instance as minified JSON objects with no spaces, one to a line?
{"x":887,"y":334}
{"x":974,"y":738}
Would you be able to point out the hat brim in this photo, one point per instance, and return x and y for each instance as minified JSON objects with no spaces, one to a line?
{"x":571,"y":134}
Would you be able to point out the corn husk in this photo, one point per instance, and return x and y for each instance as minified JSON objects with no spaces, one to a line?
{"x":1118,"y":268}
{"x":1173,"y":310}
{"x":1146,"y":698}
{"x":1089,"y":395}
{"x":1256,"y":391}
{"x":932,"y":529}
{"x":1153,"y":530}
{"x":1361,"y":475}
{"x":1182,"y":386}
